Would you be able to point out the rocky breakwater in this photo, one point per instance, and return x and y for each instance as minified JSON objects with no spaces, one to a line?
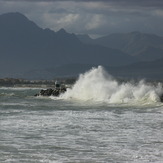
{"x":51,"y":92}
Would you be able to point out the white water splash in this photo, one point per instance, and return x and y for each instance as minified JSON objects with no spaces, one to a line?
{"x":98,"y":85}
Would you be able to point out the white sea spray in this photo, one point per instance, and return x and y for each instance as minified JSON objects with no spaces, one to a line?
{"x":98,"y":85}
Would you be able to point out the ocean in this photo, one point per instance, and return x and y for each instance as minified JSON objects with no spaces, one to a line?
{"x":98,"y":120}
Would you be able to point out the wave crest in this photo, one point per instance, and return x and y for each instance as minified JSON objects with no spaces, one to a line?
{"x":98,"y":85}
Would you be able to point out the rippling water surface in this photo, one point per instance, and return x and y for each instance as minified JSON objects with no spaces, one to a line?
{"x":98,"y":120}
{"x":58,"y":130}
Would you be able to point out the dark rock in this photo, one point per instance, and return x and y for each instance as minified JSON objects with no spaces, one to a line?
{"x":161,"y":98}
{"x":51,"y":92}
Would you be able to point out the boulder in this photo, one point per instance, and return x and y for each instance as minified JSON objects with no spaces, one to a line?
{"x":51,"y":92}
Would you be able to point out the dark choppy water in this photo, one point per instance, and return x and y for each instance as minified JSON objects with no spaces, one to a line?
{"x":49,"y":130}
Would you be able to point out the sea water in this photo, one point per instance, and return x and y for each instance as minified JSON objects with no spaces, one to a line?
{"x":98,"y":120}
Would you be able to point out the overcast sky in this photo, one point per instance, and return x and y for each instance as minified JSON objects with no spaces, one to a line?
{"x":93,"y":17}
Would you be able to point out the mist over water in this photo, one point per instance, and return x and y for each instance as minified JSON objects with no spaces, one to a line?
{"x":98,"y":85}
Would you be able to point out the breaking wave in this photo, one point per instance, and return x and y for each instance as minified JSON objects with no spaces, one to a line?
{"x":98,"y":85}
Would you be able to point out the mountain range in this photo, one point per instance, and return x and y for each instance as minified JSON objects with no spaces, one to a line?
{"x":25,"y":46}
{"x":29,"y":51}
{"x":145,"y":47}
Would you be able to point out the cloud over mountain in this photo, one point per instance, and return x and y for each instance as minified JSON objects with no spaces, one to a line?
{"x":25,"y":46}
{"x":95,"y":17}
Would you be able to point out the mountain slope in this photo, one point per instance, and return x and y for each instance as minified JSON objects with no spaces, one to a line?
{"x":146,"y":47}
{"x":25,"y":46}
{"x":149,"y":70}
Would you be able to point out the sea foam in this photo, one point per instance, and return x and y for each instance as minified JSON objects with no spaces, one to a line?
{"x":98,"y":85}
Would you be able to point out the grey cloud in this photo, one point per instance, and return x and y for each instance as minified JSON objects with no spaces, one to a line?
{"x":97,"y":17}
{"x":118,"y":2}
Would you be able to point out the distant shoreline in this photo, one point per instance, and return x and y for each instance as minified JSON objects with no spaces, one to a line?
{"x":13,"y":82}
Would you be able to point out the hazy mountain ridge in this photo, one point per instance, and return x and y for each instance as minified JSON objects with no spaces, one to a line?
{"x":146,"y":47}
{"x":148,"y":70}
{"x":28,"y":51}
{"x":25,"y":46}
{"x":140,"y":70}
